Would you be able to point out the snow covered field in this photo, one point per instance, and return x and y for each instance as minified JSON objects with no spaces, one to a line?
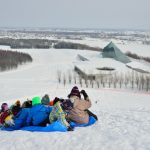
{"x":134,"y":47}
{"x":124,"y":116}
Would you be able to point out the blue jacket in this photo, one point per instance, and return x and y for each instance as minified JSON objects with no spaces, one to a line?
{"x":20,"y":118}
{"x":38,"y":115}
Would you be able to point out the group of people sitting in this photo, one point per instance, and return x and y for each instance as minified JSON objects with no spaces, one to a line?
{"x":41,"y":112}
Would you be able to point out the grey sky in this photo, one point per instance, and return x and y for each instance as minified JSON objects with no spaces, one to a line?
{"x":133,"y":14}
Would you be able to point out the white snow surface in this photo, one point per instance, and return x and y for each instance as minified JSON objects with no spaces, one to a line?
{"x":124,"y":115}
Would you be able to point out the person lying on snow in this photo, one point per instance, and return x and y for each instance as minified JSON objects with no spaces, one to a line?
{"x":39,"y":113}
{"x":5,"y":112}
{"x":45,"y":100}
{"x":17,"y":105}
{"x":17,"y":116}
{"x":27,"y":104}
{"x":59,"y":111}
{"x":79,"y":113}
{"x":10,"y":113}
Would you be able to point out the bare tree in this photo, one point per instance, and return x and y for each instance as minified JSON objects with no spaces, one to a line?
{"x":69,"y":77}
{"x":92,"y":83}
{"x":102,"y":80}
{"x":86,"y":81}
{"x":59,"y":76}
{"x":120,"y":79}
{"x":64,"y":79}
{"x":98,"y":83}
{"x":126,"y":80}
{"x":115,"y":80}
{"x":80,"y":81}
{"x":132,"y":79}
{"x":142,"y":81}
{"x":75,"y":78}
{"x":147,"y":83}
{"x":109,"y":81}
{"x":137,"y":80}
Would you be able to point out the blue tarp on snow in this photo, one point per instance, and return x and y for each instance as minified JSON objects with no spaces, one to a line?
{"x":56,"y":126}
{"x":92,"y":120}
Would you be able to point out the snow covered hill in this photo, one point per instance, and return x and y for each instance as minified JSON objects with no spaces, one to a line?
{"x":124,"y":116}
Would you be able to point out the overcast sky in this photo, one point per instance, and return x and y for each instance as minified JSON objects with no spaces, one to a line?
{"x":132,"y":14}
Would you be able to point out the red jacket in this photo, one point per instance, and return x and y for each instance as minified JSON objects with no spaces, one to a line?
{"x":3,"y":116}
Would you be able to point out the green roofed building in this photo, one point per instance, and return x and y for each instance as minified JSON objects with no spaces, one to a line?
{"x":112,"y":51}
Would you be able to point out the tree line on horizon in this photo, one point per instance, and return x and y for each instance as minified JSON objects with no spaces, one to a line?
{"x":11,"y":59}
{"x":70,"y":45}
{"x":135,"y":56}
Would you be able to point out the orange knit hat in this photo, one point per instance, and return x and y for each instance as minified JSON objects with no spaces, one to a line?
{"x":51,"y":103}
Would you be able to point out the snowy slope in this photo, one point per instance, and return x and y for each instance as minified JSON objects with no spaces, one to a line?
{"x":124,"y":116}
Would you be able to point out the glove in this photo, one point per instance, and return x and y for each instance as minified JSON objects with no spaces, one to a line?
{"x":61,"y":100}
{"x":9,"y":122}
{"x":69,"y":129}
{"x":84,"y":94}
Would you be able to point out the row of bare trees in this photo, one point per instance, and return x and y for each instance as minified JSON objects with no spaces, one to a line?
{"x":130,"y":80}
{"x":11,"y":59}
{"x":135,"y":56}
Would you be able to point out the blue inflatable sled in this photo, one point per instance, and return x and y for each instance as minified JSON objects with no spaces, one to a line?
{"x":56,"y":126}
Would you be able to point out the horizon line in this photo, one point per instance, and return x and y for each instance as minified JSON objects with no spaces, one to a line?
{"x":75,"y":28}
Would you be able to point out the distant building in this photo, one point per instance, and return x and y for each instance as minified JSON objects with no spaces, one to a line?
{"x":94,"y":70}
{"x":112,"y":51}
{"x":82,"y":58}
{"x":112,"y":60}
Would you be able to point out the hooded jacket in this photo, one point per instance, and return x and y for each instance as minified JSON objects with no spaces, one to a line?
{"x":38,"y":115}
{"x":78,"y":113}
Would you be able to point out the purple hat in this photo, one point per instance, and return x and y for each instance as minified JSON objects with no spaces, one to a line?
{"x":4,"y":107}
{"x":74,"y":92}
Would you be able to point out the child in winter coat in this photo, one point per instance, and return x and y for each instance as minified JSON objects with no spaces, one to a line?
{"x":58,"y":112}
{"x":45,"y":99}
{"x":27,"y":104}
{"x":19,"y":116}
{"x":5,"y":112}
{"x":78,"y":113}
{"x":39,"y":114}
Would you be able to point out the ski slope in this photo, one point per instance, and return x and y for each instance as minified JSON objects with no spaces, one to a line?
{"x":124,"y":115}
